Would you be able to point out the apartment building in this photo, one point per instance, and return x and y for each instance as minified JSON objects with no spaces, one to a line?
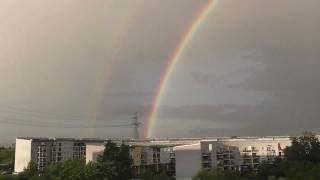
{"x":157,"y":154}
{"x":182,"y":158}
{"x":45,"y":151}
{"x":241,"y":154}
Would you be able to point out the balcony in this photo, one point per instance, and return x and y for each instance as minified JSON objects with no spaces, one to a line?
{"x":206,"y":162}
{"x":246,"y":157}
{"x":250,"y":150}
{"x":206,"y":154}
{"x":206,"y":165}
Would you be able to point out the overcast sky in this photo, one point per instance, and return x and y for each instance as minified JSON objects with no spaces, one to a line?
{"x":67,"y":66}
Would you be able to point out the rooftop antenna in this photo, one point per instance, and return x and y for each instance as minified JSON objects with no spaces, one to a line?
{"x":136,"y":125}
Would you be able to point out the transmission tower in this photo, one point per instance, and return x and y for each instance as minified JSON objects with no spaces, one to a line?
{"x":136,"y":125}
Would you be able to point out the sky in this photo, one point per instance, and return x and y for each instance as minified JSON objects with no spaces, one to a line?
{"x":80,"y":68}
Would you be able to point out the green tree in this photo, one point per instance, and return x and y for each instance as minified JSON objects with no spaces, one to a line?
{"x":104,"y":169}
{"x":218,"y":175}
{"x":124,"y":163}
{"x":73,"y":170}
{"x":150,"y":174}
{"x":6,"y":159}
{"x":302,"y":160}
{"x":115,"y":162}
{"x":162,"y":176}
{"x":304,"y":148}
{"x":31,"y":172}
{"x":267,"y":169}
{"x":147,"y":175}
{"x":111,"y":152}
{"x":206,"y":175}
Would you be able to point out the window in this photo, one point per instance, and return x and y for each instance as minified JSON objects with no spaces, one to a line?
{"x":269,"y":148}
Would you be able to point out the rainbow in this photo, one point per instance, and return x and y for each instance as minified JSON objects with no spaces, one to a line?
{"x":173,"y":60}
{"x":104,"y":76}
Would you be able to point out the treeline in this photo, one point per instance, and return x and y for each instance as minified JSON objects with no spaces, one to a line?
{"x":301,"y":162}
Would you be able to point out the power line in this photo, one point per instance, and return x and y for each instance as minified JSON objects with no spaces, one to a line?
{"x":37,"y":116}
{"x":25,"y":111}
{"x":24,"y":122}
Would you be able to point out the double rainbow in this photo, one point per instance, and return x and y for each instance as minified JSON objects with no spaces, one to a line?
{"x":173,"y":60}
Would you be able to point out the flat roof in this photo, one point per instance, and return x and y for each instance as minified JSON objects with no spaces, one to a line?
{"x":61,"y":139}
{"x":157,"y":142}
{"x":188,"y":147}
{"x":130,"y":142}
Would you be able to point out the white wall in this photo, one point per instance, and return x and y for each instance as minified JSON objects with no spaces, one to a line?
{"x":22,"y":154}
{"x":188,"y":161}
{"x":93,"y":150}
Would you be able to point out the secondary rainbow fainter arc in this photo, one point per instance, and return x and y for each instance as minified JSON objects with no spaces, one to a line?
{"x":187,"y":36}
{"x":103,"y":78}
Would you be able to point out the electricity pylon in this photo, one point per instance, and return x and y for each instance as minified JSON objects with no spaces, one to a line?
{"x":136,"y":125}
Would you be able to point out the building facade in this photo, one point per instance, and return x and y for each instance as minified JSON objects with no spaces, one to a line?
{"x":156,"y":154}
{"x":181,"y":158}
{"x":241,"y":154}
{"x":45,"y":151}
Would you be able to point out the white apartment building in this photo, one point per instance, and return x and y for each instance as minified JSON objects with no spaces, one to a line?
{"x":145,"y":153}
{"x":182,"y":158}
{"x":158,"y":154}
{"x":43,"y":151}
{"x":227,"y":153}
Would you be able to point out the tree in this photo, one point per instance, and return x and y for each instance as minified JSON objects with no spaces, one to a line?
{"x":124,"y":163}
{"x":6,"y":159}
{"x":115,"y":162}
{"x":111,"y":152}
{"x":149,"y":174}
{"x":31,"y":172}
{"x":302,"y":160}
{"x":73,"y":170}
{"x":205,"y":175}
{"x":304,"y":148}
{"x":162,"y":176}
{"x":218,"y":175}
{"x":105,"y":169}
{"x":267,"y":169}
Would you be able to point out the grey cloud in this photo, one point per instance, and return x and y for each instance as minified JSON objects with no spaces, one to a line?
{"x":251,"y":68}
